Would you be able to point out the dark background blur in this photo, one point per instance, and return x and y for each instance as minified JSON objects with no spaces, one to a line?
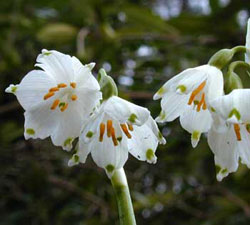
{"x":142,"y":44}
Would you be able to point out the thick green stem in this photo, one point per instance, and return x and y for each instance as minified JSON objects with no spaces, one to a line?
{"x":125,"y":207}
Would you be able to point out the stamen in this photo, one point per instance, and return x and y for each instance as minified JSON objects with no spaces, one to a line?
{"x":196,"y":92}
{"x":73,"y":84}
{"x":201,"y":102}
{"x":237,"y":131}
{"x":102,"y":130}
{"x":53,"y":89}
{"x":204,"y":107}
{"x":73,"y":97}
{"x":130,"y":127}
{"x":62,"y":85}
{"x":109,"y":128}
{"x":48,"y":95}
{"x":64,"y":107}
{"x":55,"y":104}
{"x":125,"y":130}
{"x":113,"y":136}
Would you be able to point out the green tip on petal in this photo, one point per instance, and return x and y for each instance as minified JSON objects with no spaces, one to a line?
{"x":30,"y":131}
{"x":47,"y":53}
{"x":110,"y":168}
{"x":234,"y":112}
{"x":150,"y":155}
{"x":11,"y":89}
{"x":132,"y":118}
{"x":196,"y":135}
{"x":90,"y":134}
{"x":182,"y":88}
{"x":68,"y":142}
{"x":76,"y":158}
{"x":107,"y":84}
{"x":161,"y":91}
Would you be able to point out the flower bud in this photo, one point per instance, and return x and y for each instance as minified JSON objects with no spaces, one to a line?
{"x":107,"y":84}
{"x":221,"y":58}
{"x":234,"y":81}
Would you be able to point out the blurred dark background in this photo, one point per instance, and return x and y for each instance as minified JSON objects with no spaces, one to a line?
{"x":142,"y":44}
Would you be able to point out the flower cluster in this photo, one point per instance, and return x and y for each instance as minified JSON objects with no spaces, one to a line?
{"x":65,"y":101}
{"x":197,"y":96}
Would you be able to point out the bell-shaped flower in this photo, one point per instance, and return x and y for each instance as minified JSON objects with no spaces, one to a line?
{"x":229,"y":136}
{"x":188,"y":95}
{"x":57,"y":99}
{"x":115,"y":129}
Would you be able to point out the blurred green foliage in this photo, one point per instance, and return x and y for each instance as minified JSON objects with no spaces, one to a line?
{"x":141,"y":43}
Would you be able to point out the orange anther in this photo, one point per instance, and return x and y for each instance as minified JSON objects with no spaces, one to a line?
{"x":102,"y":130}
{"x":73,"y":84}
{"x":109,"y":127}
{"x":64,"y":107}
{"x":204,"y":107}
{"x":73,"y":97}
{"x":53,"y":89}
{"x":201,"y":102}
{"x":62,"y":85}
{"x":130,"y":127}
{"x":113,"y":136}
{"x":237,"y":131}
{"x":125,"y":130}
{"x":48,"y":95}
{"x":196,"y":92}
{"x":55,"y":104}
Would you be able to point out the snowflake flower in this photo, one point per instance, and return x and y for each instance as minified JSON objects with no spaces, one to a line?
{"x":229,"y":137}
{"x":188,"y":95}
{"x":58,"y":98}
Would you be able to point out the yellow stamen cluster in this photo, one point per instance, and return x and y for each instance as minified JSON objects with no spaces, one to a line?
{"x":202,"y":103}
{"x":62,"y":105}
{"x":111,"y":131}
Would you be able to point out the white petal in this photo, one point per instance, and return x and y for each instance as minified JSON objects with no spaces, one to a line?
{"x":194,"y":78}
{"x":68,"y":127}
{"x":31,"y":90}
{"x":153,"y":126}
{"x":123,"y":111}
{"x":223,"y":145}
{"x":235,"y":104}
{"x":83,"y":76}
{"x":215,"y":84}
{"x":91,"y":127}
{"x":196,"y":123}
{"x":143,"y":143}
{"x":247,"y":55}
{"x":57,"y":65}
{"x":243,"y":146}
{"x":82,"y":152}
{"x":173,"y":105}
{"x":173,"y":83}
{"x":108,"y":156}
{"x":40,"y":122}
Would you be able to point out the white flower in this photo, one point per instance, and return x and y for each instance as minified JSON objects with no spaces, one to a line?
{"x":187,"y":95}
{"x":58,"y":98}
{"x":118,"y":127}
{"x":229,"y":137}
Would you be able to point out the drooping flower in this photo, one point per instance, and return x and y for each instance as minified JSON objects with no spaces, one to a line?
{"x":117,"y":128}
{"x":229,"y":137}
{"x":58,"y":98}
{"x":188,"y":95}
